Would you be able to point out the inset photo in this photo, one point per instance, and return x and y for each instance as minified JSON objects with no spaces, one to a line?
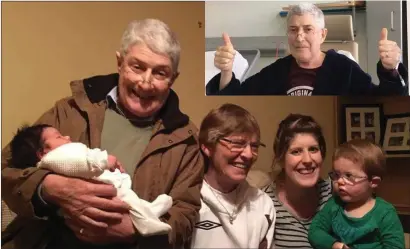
{"x":303,"y":48}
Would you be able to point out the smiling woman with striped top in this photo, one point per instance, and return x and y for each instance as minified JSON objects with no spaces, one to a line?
{"x":298,"y":192}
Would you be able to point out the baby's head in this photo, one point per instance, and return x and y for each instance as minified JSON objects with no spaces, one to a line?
{"x":31,"y":143}
{"x":358,"y":167}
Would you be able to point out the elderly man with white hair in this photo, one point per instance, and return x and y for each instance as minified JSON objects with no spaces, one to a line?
{"x":134,"y":115}
{"x":308,"y":70}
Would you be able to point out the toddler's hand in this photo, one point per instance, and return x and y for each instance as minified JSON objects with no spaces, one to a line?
{"x":338,"y":245}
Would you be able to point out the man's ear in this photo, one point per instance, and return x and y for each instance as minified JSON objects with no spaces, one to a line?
{"x":375,"y":181}
{"x":119,"y":60}
{"x":174,"y":77}
{"x":323,"y":35}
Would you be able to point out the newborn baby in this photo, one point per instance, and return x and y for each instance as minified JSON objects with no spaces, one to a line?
{"x":45,"y":146}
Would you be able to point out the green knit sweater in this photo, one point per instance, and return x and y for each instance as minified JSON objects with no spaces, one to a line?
{"x":379,"y":228}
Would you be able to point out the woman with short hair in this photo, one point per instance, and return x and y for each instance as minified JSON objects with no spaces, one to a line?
{"x":233,"y":214}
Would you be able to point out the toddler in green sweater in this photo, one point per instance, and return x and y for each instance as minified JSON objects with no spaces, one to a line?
{"x":354,"y":217}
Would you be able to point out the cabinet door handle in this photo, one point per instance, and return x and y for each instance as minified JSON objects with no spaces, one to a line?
{"x":392,"y":21}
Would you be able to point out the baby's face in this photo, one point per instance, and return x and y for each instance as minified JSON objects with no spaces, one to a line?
{"x":352,"y":184}
{"x":52,"y":139}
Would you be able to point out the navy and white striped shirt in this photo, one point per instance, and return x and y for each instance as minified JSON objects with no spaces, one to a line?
{"x":291,"y":232}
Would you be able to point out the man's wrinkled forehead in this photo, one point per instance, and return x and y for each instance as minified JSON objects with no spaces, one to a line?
{"x":153,"y":64}
{"x":304,"y":21}
{"x":141,"y":54}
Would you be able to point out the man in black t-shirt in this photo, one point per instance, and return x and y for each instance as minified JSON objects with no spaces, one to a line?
{"x":308,"y":70}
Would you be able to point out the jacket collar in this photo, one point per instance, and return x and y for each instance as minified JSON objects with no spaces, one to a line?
{"x":93,"y":91}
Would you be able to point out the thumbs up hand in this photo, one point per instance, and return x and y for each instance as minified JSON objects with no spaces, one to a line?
{"x":224,"y":55}
{"x":389,"y":52}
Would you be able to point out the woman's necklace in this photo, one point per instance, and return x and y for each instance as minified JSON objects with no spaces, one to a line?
{"x":232,"y":216}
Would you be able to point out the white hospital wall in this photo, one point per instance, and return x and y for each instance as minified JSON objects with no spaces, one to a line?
{"x":261,"y":18}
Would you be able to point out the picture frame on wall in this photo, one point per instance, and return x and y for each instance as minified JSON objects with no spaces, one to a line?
{"x":397,"y":134}
{"x":363,"y":122}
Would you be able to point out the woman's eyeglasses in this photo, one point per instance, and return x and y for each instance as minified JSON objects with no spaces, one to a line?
{"x":237,"y":146}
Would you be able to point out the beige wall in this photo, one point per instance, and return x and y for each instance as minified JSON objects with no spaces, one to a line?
{"x":47,"y":44}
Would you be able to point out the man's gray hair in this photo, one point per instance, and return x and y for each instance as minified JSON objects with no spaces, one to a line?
{"x":156,"y":35}
{"x":307,"y":8}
